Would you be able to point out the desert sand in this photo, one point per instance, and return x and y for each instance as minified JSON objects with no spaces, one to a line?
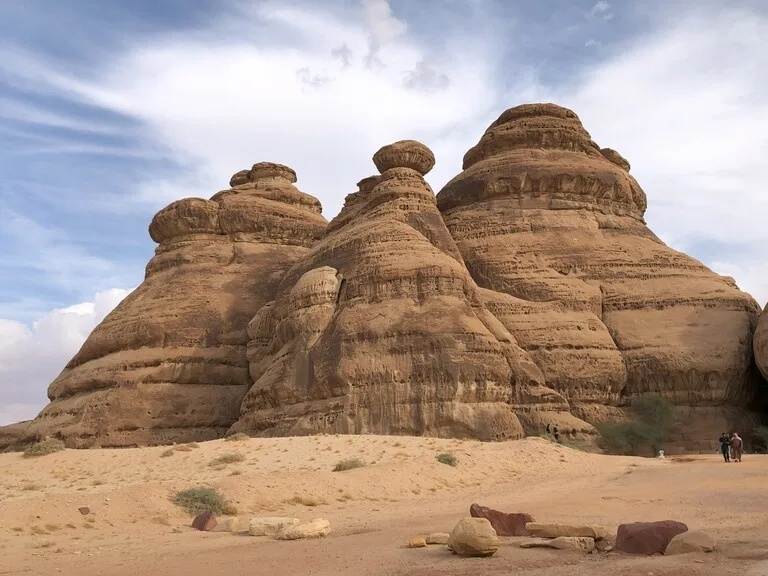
{"x":402,"y":492}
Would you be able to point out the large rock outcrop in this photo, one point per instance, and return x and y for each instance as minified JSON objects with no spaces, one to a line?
{"x":381,"y":329}
{"x":529,"y":292}
{"x":169,"y":363}
{"x":552,"y":226}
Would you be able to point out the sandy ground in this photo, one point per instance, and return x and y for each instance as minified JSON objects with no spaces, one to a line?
{"x":374,"y":511}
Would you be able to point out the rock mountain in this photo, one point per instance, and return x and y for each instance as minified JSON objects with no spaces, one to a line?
{"x":528,"y":291}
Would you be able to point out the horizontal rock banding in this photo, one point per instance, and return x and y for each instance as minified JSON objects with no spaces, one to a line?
{"x":542,"y":214}
{"x":169,"y":363}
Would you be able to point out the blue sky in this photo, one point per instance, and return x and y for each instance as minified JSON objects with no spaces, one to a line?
{"x":110,"y":110}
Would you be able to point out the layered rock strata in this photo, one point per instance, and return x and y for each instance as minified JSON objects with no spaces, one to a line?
{"x":169,"y":363}
{"x":381,"y":329}
{"x":552,"y":227}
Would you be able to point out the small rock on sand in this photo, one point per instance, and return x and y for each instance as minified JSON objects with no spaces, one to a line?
{"x":317,"y":528}
{"x":438,"y":538}
{"x":270,"y":525}
{"x":205,"y":521}
{"x":417,"y":542}
{"x":693,"y":541}
{"x":473,"y":537}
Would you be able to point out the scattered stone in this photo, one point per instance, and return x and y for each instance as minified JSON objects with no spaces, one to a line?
{"x":317,"y":528}
{"x":558,"y":530}
{"x":84,"y":510}
{"x":417,"y":542}
{"x":439,"y":538}
{"x":205,"y":521}
{"x":505,"y":524}
{"x":473,"y":537}
{"x":231,"y":524}
{"x":605,"y":544}
{"x":647,"y":537}
{"x":582,"y":543}
{"x":694,"y":541}
{"x":270,"y":525}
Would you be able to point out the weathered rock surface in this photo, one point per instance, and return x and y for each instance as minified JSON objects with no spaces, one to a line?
{"x":607,"y":311}
{"x":565,"y":530}
{"x":647,"y":537}
{"x":417,"y":542}
{"x":530,"y":292}
{"x":503,"y":523}
{"x":381,"y":329}
{"x":473,"y":537}
{"x":270,"y":525}
{"x":169,"y":363}
{"x":317,"y":528}
{"x":691,"y":541}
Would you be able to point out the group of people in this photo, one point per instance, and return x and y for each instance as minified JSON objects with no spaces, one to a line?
{"x":731,"y":446}
{"x":555,"y":432}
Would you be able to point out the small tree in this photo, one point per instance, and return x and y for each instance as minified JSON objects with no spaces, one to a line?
{"x":626,"y":438}
{"x":760,"y":439}
{"x":657,"y":416}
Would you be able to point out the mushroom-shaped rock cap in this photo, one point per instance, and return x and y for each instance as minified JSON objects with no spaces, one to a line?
{"x":613,"y":156}
{"x":405,"y":154}
{"x":262,"y":171}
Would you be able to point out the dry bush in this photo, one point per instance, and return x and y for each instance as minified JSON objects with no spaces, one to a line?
{"x":348,"y":464}
{"x":227,"y":458}
{"x":47,"y":446}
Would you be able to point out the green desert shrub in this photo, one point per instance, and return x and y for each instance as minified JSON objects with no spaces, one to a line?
{"x":447,"y":458}
{"x":196,"y":500}
{"x":647,"y":431}
{"x":348,"y":464}
{"x":47,"y":446}
{"x":760,"y":439}
{"x":237,"y":437}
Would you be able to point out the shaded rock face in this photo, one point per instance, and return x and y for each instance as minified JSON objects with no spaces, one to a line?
{"x":761,"y":344}
{"x":381,"y":329}
{"x":551,"y":226}
{"x":169,"y":363}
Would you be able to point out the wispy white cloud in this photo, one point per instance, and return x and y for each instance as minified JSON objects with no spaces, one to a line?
{"x":32,"y":356}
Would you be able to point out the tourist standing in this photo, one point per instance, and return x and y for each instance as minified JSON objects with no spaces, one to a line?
{"x":737,"y":447}
{"x":725,"y":446}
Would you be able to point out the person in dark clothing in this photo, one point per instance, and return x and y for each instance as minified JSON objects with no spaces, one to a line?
{"x":556,"y":433}
{"x":725,"y":446}
{"x":549,"y":428}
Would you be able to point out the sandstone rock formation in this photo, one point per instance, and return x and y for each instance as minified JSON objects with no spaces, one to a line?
{"x":552,"y":227}
{"x":529,"y":292}
{"x":169,"y":363}
{"x":381,"y":329}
